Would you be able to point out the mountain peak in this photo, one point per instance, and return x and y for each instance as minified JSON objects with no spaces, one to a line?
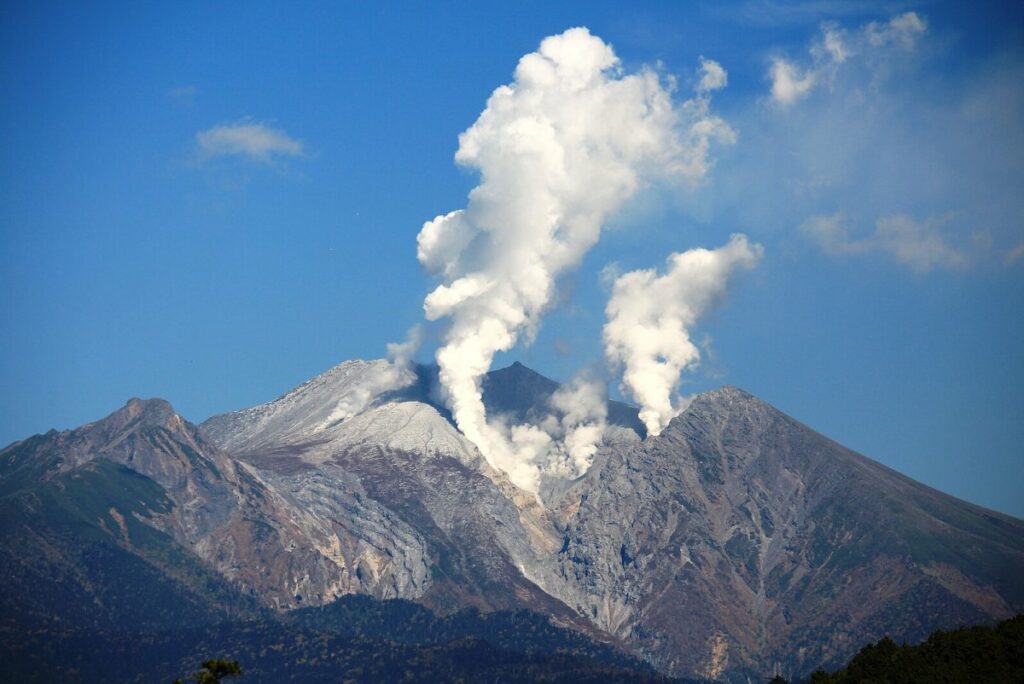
{"x":518,"y":371}
{"x":731,"y":391}
{"x":138,"y":406}
{"x":723,"y":396}
{"x":138,"y":414}
{"x":154,"y":411}
{"x":317,"y":405}
{"x":516,"y":390}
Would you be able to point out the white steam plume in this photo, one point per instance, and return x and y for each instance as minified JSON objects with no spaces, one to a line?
{"x":649,"y":321}
{"x":558,"y":150}
{"x":383,"y":377}
{"x":577,"y":425}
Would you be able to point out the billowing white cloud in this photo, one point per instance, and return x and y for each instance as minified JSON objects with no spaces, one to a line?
{"x":916,"y":244}
{"x":253,"y":141}
{"x":558,"y":150}
{"x":791,"y":81}
{"x":650,"y":318}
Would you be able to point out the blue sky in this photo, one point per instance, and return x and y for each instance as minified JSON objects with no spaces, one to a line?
{"x":212,"y":204}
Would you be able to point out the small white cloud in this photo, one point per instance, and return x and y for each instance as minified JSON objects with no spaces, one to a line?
{"x":254,"y":141}
{"x":713,"y":76}
{"x":788,"y":84}
{"x":609,"y":274}
{"x":917,"y":244}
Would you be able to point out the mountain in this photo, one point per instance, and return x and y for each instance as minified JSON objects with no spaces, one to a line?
{"x":522,"y":395}
{"x":743,"y":540}
{"x":737,"y":543}
{"x":83,"y":520}
{"x":221,"y":509}
{"x":133,"y":547}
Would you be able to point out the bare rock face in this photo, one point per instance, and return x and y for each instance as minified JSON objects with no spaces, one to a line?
{"x":736,"y":544}
{"x":250,"y":529}
{"x":739,"y":541}
{"x":488,"y":544}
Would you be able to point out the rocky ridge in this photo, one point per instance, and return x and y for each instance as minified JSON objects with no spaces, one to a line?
{"x":737,"y":543}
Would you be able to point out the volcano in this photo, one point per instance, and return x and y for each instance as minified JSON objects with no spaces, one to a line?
{"x":737,"y":543}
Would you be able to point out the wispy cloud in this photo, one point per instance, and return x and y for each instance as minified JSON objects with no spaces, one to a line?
{"x":1013,"y":255}
{"x":185,"y":92}
{"x":773,"y":13}
{"x":903,"y":29}
{"x":791,"y":81}
{"x":919,"y":245}
{"x":249,"y":140}
{"x":894,"y":155}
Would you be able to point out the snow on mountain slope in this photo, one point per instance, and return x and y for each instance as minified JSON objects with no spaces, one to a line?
{"x":308,"y":410}
{"x":381,"y":405}
{"x":397,"y":450}
{"x":406,"y":426}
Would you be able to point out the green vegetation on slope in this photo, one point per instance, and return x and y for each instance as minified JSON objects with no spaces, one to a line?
{"x":970,"y":654}
{"x":279,"y":650}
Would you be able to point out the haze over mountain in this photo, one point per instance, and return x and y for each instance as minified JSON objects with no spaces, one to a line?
{"x":736,"y":543}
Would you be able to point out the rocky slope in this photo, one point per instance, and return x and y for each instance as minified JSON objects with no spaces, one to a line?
{"x":250,"y":532}
{"x":743,"y":540}
{"x":738,"y":542}
{"x":488,"y":544}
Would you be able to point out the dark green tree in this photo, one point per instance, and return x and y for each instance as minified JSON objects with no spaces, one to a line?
{"x":820,"y":676}
{"x":213,"y":671}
